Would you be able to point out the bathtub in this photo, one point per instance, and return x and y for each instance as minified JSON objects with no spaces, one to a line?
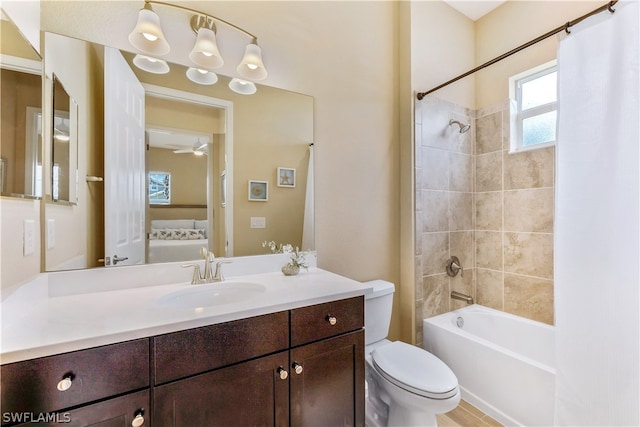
{"x":504,"y":363}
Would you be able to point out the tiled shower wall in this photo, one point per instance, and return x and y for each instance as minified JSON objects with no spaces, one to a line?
{"x":491,"y":209}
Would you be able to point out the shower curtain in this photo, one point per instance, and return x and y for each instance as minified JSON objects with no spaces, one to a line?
{"x":597,"y":271}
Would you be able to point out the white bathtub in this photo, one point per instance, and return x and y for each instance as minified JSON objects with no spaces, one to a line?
{"x":504,"y":363}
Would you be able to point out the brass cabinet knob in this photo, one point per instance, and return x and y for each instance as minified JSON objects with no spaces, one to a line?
{"x":297,"y":368}
{"x":65,"y":383}
{"x":332,"y":319}
{"x":138,"y":420}
{"x":282,"y":373}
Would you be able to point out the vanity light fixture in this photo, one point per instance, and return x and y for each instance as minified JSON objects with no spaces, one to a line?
{"x":151,"y":65}
{"x":243,"y":87}
{"x":202,"y":77}
{"x":147,"y":36}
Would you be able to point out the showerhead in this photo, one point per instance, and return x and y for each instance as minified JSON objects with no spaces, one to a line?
{"x":463,"y":128}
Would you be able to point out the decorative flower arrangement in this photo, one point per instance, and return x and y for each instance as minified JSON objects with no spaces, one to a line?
{"x":297,"y":258}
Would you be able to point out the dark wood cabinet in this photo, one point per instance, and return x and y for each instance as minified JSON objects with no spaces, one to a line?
{"x":301,"y":367}
{"x":34,"y":388}
{"x":247,"y":394}
{"x":329,"y":390}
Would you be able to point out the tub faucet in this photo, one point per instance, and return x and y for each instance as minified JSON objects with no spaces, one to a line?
{"x":462,"y":297}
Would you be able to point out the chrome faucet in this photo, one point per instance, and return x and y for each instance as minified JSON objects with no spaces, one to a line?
{"x":211,"y":274}
{"x":208,"y":259}
{"x":197,"y":278}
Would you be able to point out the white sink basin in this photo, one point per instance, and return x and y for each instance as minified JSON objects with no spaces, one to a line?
{"x":212,"y":294}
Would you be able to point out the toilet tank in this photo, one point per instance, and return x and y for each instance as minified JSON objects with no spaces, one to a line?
{"x":377,"y":311}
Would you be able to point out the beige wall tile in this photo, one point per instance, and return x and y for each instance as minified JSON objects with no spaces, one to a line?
{"x":489,"y":250}
{"x":529,"y":169}
{"x":435,"y":210}
{"x":489,"y":172}
{"x":490,"y":288}
{"x":462,"y":244}
{"x":529,"y":210}
{"x":418,"y":321}
{"x":435,"y":252}
{"x":529,"y":297}
{"x":489,"y":210}
{"x":435,"y":169}
{"x":461,"y":171}
{"x":489,"y":133}
{"x":436,"y":295}
{"x":530,"y":254}
{"x":435,"y":123}
{"x":460,"y":211}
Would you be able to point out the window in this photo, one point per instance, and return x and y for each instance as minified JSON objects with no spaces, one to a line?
{"x":534,"y":108}
{"x":159,"y":188}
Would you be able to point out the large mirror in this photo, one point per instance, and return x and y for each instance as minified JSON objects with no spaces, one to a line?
{"x":205,"y":145}
{"x":21,"y":130}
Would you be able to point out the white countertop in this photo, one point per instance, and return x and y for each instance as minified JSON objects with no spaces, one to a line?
{"x":41,"y":321}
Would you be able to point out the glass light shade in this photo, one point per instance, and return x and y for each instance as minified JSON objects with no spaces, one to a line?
{"x":147,"y":35}
{"x":205,"y":53}
{"x":242,"y":87}
{"x":202,"y":77}
{"x":252,"y":67}
{"x":151,"y":65}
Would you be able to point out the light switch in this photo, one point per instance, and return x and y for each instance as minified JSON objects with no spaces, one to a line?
{"x":29,"y":237}
{"x":51,"y":233}
{"x":258,"y":222}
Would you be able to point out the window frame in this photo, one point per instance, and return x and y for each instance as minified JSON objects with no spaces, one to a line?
{"x":517,"y":116}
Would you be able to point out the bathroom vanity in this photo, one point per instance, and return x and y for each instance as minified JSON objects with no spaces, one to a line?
{"x":280,"y":359}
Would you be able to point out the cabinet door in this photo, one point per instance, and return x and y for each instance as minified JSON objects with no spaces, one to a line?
{"x":329,"y":389}
{"x":117,"y":412}
{"x":248,"y":394}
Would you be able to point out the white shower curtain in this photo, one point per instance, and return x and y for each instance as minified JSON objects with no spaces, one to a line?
{"x":597,"y":236}
{"x":308,"y":229}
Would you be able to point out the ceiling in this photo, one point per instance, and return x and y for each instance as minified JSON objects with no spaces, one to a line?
{"x":474,"y":9}
{"x":176,"y":139}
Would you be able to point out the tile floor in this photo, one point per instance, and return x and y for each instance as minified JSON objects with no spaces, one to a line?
{"x":466,"y":415}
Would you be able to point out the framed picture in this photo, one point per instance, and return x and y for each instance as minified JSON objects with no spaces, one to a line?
{"x":258,"y":191}
{"x":286,"y":177}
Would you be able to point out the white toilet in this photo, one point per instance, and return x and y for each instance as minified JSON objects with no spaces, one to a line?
{"x":405,"y":385}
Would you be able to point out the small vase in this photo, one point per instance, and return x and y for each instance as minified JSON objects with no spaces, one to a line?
{"x":290,"y":270}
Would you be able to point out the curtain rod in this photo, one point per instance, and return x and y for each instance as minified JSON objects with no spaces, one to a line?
{"x":564,"y":27}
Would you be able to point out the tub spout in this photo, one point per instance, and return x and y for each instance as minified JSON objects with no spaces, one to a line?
{"x":462,"y":297}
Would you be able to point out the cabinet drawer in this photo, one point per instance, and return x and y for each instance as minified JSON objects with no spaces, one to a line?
{"x":326,"y":320}
{"x":181,"y":354}
{"x":96,"y":373}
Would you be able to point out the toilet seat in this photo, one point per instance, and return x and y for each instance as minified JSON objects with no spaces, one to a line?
{"x":415,"y":370}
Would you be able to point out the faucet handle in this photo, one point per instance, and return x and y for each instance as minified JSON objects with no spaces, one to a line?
{"x":218,"y":277}
{"x":454,"y":266}
{"x":197,"y":278}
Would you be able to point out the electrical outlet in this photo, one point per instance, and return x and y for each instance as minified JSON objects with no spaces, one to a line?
{"x":29,"y":237}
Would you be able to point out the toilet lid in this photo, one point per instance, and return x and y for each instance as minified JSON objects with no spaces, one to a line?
{"x":415,"y":370}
